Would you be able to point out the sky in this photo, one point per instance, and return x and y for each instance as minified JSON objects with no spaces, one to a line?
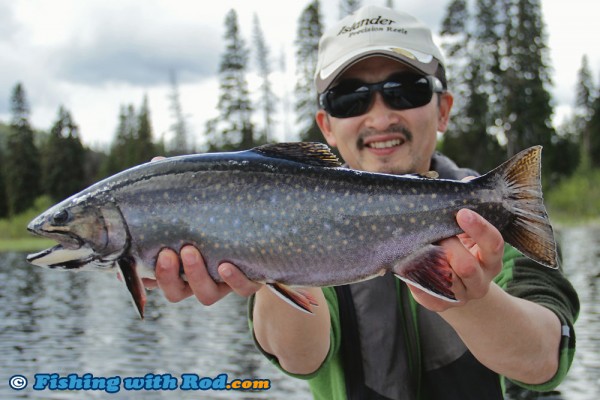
{"x":95,"y":56}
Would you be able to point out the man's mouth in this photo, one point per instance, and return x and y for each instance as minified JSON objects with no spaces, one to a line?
{"x":385,"y":144}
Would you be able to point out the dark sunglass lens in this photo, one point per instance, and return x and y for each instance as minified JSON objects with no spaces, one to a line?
{"x":348,"y":101}
{"x":406,"y":92}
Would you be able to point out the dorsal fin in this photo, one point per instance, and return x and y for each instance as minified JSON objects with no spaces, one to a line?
{"x":311,"y":153}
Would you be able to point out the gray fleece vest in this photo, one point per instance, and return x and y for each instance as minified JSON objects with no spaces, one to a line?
{"x":409,"y":352}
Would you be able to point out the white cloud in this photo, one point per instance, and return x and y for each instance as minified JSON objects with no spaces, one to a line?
{"x":93,"y":56}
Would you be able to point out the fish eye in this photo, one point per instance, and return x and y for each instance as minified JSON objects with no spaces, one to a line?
{"x":61,"y":217}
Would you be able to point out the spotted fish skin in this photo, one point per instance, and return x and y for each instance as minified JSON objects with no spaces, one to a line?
{"x":288,"y":214}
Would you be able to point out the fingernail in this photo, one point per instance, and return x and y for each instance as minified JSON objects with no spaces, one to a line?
{"x":166,"y":261}
{"x":189,"y":256}
{"x":225,"y":271}
{"x":468,"y":216}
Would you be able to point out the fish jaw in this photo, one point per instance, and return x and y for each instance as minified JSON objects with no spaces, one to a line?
{"x":60,"y":257}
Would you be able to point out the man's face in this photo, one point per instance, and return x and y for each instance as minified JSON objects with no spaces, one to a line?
{"x":384,"y":139}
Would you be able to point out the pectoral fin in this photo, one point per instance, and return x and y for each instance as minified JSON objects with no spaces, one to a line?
{"x":428,"y":269}
{"x":134,"y":284}
{"x":297,"y":298}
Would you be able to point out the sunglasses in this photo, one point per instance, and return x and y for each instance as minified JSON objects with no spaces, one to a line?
{"x":353,"y":97}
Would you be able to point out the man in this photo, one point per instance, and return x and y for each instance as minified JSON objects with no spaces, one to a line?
{"x":383,"y":95}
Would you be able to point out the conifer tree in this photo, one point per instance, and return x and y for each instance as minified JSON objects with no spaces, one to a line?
{"x":63,"y":159}
{"x":144,"y":145}
{"x":471,"y":54}
{"x":123,"y":151}
{"x":528,"y":105}
{"x":22,"y":167}
{"x":3,"y":200}
{"x":5,"y":130}
{"x":133,"y":143}
{"x":593,"y":127}
{"x":584,"y":110}
{"x":347,"y":7}
{"x":267,"y":97}
{"x":503,"y":78}
{"x":309,"y":32}
{"x":180,"y":142}
{"x":233,"y":129}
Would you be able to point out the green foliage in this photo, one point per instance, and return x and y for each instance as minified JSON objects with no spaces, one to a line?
{"x":498,"y":67}
{"x":591,"y":142}
{"x":21,"y":166}
{"x":133,"y":143}
{"x":179,"y":144}
{"x":310,"y":29}
{"x":144,"y":145}
{"x":267,"y":99}
{"x":457,"y":14}
{"x":347,"y":7}
{"x":576,"y":198}
{"x":63,"y":159}
{"x":233,"y":129}
{"x":15,"y":227}
{"x":527,"y":107}
{"x":4,"y":133}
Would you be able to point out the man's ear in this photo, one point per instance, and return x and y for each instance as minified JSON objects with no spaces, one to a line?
{"x":324,"y":124}
{"x":445,"y":105}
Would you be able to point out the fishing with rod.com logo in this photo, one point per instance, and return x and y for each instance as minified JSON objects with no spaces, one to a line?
{"x":148,"y":382}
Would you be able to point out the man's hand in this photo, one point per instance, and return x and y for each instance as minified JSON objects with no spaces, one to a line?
{"x":198,"y":282}
{"x":475,"y":256}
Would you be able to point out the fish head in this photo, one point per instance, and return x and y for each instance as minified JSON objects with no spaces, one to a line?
{"x":90,"y":235}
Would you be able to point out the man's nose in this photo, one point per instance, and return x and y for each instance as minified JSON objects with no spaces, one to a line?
{"x":380,"y":116}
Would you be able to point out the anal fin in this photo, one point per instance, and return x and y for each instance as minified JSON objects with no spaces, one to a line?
{"x":428,"y":270}
{"x":297,"y":298}
{"x":134,"y":284}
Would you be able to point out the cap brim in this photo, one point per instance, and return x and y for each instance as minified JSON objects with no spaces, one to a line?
{"x":421,"y":62}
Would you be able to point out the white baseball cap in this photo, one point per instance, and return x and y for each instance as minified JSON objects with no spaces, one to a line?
{"x":375,"y":31}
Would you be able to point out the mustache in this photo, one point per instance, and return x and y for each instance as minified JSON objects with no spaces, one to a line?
{"x":368,"y":132}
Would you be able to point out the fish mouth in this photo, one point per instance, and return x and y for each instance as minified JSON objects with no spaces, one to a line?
{"x":61,"y":257}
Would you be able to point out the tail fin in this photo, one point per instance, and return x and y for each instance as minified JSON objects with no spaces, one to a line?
{"x":530,"y":231}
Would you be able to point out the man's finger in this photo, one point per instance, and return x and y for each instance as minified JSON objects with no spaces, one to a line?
{"x":237,"y":280}
{"x":168,"y":278}
{"x":206,"y":290}
{"x":488,"y":239}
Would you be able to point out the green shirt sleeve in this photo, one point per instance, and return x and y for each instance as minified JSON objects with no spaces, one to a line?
{"x":524,"y":278}
{"x":327,"y":382}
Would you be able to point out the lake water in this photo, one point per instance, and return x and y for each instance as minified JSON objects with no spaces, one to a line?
{"x":83,"y":323}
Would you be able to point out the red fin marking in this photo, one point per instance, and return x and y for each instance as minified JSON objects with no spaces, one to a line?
{"x":134,"y":284}
{"x":427,"y":269}
{"x":299,"y":299}
{"x":308,"y":296}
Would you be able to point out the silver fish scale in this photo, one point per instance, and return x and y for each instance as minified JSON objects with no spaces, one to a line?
{"x":306,"y":228}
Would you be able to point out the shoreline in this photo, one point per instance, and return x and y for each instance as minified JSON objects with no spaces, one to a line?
{"x":24,"y":245}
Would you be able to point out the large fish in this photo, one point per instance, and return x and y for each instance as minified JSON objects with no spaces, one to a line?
{"x":288,"y":214}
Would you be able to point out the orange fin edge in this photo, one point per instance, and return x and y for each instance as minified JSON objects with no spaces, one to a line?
{"x":297,"y":298}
